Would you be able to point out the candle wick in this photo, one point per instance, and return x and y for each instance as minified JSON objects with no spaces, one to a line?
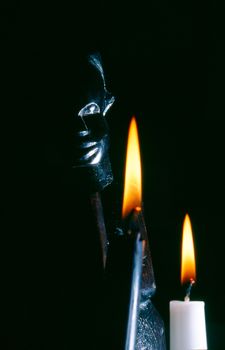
{"x":188,"y":292}
{"x":187,"y":298}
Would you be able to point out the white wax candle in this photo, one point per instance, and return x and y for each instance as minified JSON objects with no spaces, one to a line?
{"x":187,"y":325}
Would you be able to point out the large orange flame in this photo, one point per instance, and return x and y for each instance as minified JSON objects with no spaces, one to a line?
{"x":188,"y":268}
{"x":132,"y":187}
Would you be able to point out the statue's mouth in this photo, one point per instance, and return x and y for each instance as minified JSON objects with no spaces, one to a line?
{"x":89,"y":153}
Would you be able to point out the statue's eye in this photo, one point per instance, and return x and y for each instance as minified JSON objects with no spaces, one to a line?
{"x":90,"y":108}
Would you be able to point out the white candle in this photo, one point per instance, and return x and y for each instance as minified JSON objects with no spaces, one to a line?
{"x":187,"y":318}
{"x":187,"y":325}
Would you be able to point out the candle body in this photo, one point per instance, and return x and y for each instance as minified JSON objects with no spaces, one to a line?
{"x":187,"y":325}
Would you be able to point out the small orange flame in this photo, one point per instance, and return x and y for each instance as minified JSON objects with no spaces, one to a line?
{"x":188,"y":269}
{"x":132,"y":188}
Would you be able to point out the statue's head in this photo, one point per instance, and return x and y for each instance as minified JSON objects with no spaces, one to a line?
{"x":90,"y":159}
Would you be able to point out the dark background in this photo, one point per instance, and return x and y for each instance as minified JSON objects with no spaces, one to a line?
{"x":164,"y":62}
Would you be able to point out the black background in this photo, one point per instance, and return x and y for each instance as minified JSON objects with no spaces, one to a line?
{"x":164,"y":62}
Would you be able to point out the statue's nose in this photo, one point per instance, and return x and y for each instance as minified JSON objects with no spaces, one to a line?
{"x":80,"y":127}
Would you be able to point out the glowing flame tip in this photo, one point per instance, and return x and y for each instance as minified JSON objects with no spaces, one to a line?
{"x":188,"y":269}
{"x":132,"y":186}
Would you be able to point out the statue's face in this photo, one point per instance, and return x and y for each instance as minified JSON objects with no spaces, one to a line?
{"x":91,"y":168}
{"x":90,"y":125}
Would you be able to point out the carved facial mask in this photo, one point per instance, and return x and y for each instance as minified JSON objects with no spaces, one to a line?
{"x":90,"y":137}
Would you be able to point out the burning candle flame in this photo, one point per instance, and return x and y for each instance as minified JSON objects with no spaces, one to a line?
{"x":132,"y":187}
{"x":188,"y":269}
